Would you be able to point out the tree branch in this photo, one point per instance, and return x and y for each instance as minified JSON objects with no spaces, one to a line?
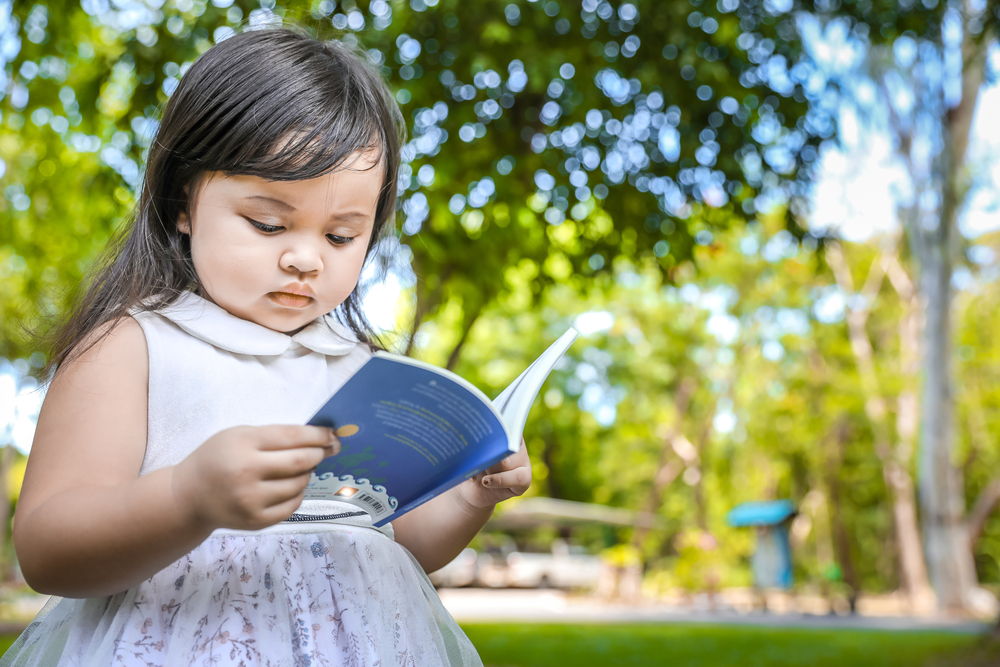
{"x":861,"y":345}
{"x":987,"y":501}
{"x":457,"y":350}
{"x":898,"y":276}
{"x":425,"y":305}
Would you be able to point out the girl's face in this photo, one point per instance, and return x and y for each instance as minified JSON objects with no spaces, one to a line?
{"x":282,"y":253}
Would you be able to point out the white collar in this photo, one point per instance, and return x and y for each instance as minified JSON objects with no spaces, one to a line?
{"x":211,"y":323}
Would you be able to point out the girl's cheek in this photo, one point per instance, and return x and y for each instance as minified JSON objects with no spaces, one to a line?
{"x":358,"y":265}
{"x":346,"y":273}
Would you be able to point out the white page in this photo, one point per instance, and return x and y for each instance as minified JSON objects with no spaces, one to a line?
{"x":515,"y":401}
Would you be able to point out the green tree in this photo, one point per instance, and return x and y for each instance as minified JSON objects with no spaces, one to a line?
{"x":522,"y":115}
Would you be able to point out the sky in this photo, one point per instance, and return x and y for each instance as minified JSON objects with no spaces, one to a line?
{"x":857,"y":184}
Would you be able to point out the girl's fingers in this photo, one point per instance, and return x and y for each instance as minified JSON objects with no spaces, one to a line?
{"x":516,"y":478}
{"x":277,"y":492}
{"x":518,"y":459}
{"x":290,"y":436}
{"x":289,"y":463}
{"x":282,"y":510}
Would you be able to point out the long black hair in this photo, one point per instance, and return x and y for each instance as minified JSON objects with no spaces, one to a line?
{"x":273,"y":103}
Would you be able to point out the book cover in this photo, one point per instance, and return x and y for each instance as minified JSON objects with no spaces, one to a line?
{"x":404,"y":427}
{"x":410,"y":431}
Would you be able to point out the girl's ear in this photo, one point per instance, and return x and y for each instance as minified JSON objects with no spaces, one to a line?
{"x":183,"y":221}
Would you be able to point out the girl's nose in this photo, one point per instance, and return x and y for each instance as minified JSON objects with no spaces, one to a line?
{"x":301,"y":258}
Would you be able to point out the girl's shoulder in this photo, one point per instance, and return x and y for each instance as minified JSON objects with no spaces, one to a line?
{"x":109,"y":359}
{"x":116,"y":344}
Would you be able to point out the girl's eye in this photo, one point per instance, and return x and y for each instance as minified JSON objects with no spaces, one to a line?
{"x":269,"y":229}
{"x":339,"y":240}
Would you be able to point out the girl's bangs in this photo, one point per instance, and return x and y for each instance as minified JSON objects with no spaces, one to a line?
{"x":301,"y":150}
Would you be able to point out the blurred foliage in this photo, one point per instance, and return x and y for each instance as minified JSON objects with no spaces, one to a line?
{"x":700,"y":564}
{"x":777,"y":410}
{"x":640,"y":125}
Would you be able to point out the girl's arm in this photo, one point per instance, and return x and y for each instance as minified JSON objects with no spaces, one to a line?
{"x":87,"y":525}
{"x":438,"y":530}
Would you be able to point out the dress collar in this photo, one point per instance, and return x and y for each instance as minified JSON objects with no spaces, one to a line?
{"x":211,"y":323}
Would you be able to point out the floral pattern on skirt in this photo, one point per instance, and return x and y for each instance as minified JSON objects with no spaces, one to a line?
{"x":337,"y":596}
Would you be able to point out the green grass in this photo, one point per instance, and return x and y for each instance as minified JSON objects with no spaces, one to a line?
{"x":642,"y":645}
{"x":682,"y":645}
{"x":5,"y":642}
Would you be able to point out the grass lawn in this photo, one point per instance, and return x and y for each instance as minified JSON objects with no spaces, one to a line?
{"x":642,"y":645}
{"x":639,"y":645}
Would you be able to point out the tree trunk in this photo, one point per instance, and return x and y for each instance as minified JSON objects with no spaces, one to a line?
{"x":552,"y":483}
{"x":942,"y":491}
{"x":701,"y":448}
{"x":468,"y":322}
{"x":987,"y":501}
{"x":940,"y":178}
{"x":895,"y":460}
{"x":426,"y":302}
{"x":911,"y":557}
{"x":418,"y":318}
{"x":841,"y":538}
{"x":948,"y":554}
{"x":911,"y":553}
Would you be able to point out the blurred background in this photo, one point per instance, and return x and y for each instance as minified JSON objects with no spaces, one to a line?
{"x":775,"y":223}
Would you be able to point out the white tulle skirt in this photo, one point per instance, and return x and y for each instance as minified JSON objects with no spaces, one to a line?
{"x":302,"y":595}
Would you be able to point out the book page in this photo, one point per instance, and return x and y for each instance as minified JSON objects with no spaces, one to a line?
{"x":515,"y":401}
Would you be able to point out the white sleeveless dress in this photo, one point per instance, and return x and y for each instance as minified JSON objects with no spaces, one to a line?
{"x":326,"y":589}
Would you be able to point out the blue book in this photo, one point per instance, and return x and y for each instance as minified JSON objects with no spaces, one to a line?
{"x":410,"y":431}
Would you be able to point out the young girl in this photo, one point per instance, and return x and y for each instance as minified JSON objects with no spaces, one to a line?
{"x":163,"y":496}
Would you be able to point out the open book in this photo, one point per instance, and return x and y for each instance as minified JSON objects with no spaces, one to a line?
{"x":410,"y":431}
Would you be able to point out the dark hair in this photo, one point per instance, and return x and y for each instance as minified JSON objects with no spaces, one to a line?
{"x":230,"y":113}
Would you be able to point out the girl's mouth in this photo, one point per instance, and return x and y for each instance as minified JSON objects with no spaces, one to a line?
{"x":289,"y":300}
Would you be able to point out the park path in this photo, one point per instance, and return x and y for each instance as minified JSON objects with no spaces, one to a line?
{"x":478,"y":605}
{"x":482,"y":605}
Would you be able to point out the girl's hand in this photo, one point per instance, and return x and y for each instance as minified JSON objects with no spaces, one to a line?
{"x":511,"y":477}
{"x":250,"y":477}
